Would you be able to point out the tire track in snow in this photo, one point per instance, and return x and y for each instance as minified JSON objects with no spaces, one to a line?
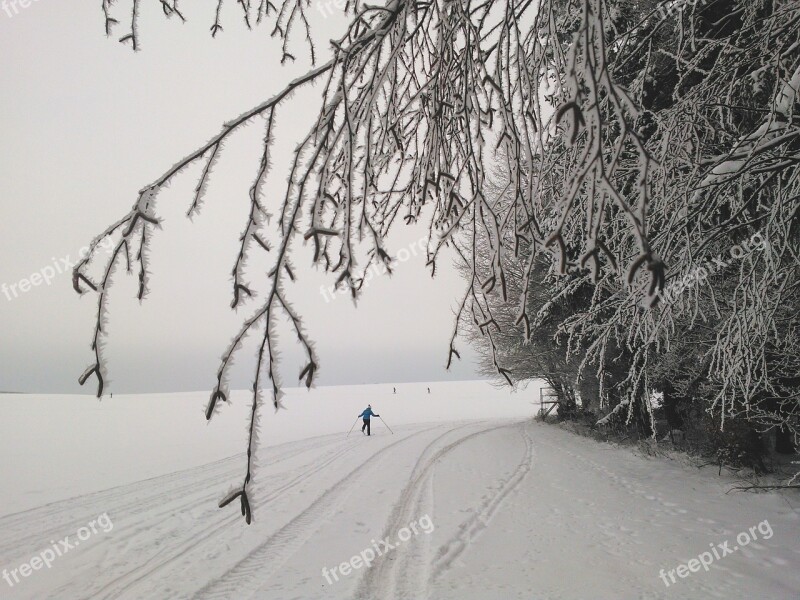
{"x":249,"y":574}
{"x":20,"y":530}
{"x":46,"y":511}
{"x":62,"y":512}
{"x":470,"y":529}
{"x":406,"y":574}
{"x":171,"y":553}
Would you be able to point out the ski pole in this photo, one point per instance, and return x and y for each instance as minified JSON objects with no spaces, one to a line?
{"x":351,"y":429}
{"x":387,"y":427}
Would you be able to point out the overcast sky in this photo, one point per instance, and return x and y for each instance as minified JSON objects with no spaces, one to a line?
{"x":85,"y":123}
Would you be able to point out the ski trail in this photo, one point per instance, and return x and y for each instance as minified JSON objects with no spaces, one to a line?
{"x":59,"y":518}
{"x":263,"y":493}
{"x":247,"y":576}
{"x":399,"y":574}
{"x":499,"y":532}
{"x":133,"y":537}
{"x":408,"y":568}
{"x":470,"y":529}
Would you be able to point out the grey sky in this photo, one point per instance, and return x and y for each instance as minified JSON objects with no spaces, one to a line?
{"x":85,"y":123}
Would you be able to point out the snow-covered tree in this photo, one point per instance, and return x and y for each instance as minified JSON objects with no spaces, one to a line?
{"x":716,"y":85}
{"x":419,"y":97}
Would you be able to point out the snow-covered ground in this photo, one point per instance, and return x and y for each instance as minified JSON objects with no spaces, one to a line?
{"x":479,"y":501}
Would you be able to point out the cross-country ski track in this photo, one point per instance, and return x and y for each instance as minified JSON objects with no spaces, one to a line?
{"x":518,"y":509}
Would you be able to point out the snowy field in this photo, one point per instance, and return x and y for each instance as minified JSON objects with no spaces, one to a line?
{"x":467,"y":499}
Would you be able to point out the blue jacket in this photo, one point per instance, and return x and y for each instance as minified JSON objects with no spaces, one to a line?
{"x":367,"y":414}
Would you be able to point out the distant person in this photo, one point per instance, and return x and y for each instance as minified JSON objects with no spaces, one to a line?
{"x":429,"y":390}
{"x":366,"y":415}
{"x":395,"y":390}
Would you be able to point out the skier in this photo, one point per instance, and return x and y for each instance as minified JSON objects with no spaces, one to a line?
{"x":366,"y":415}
